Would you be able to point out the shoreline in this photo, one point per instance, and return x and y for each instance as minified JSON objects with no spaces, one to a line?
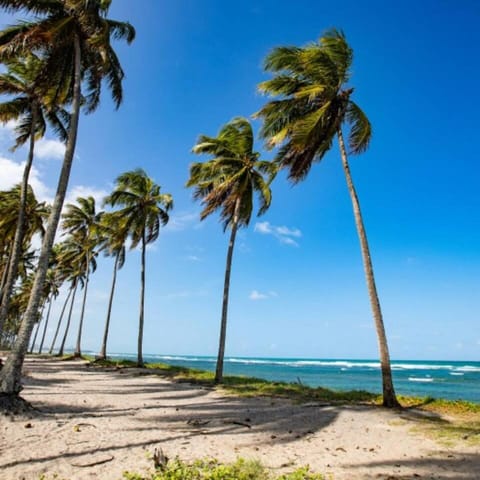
{"x":333,"y":375}
{"x":116,"y":417}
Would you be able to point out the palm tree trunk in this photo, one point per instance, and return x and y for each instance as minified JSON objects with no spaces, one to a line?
{"x":38,"y":328}
{"x":69,"y":319}
{"x":103,"y":351}
{"x":78,"y":349}
{"x":20,"y":229}
{"x":46,"y":325}
{"x":142,"y":305}
{"x":5,"y":273}
{"x":40,"y":317}
{"x":52,"y":346}
{"x":389,"y":397}
{"x":35,"y":336}
{"x":10,"y":375}
{"x":226,"y":289}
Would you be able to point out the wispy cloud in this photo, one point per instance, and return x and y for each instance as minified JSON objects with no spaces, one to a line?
{"x":284,"y":234}
{"x":182,"y":221}
{"x":193,"y":258}
{"x":256,"y":295}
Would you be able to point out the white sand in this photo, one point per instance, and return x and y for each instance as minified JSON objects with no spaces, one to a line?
{"x":115,"y":420}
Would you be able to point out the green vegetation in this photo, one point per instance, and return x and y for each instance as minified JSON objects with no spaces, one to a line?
{"x":213,"y":470}
{"x":450,"y":433}
{"x":255,"y":387}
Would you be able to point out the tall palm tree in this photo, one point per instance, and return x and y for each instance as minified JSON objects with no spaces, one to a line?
{"x":82,"y":222}
{"x":312,"y":102}
{"x":32,"y":108}
{"x":114,"y":239}
{"x":144,"y":211}
{"x":74,"y":37}
{"x":228,"y":183}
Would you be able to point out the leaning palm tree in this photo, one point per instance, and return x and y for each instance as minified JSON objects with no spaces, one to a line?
{"x":312,"y":102}
{"x":114,"y":246}
{"x":82,"y":222}
{"x":144,"y":211}
{"x":74,"y":37}
{"x":31,"y":107}
{"x":228,"y":183}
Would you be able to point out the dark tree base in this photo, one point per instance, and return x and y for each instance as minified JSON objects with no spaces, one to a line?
{"x":14,"y":404}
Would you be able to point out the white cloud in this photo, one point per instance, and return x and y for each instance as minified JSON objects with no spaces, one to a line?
{"x":12,"y":172}
{"x":85,"y":191}
{"x":256,"y":295}
{"x":49,"y":149}
{"x":284,"y":234}
{"x":193,"y":258}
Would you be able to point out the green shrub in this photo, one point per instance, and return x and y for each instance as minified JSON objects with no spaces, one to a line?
{"x":213,"y":470}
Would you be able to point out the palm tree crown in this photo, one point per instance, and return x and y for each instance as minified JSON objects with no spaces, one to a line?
{"x":312,"y":101}
{"x":233,"y":175}
{"x":144,"y":210}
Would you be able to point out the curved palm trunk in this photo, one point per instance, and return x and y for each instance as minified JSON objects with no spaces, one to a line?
{"x":78,"y":349}
{"x":52,"y":346}
{"x":103,"y":351}
{"x":226,"y":289}
{"x":40,"y":348}
{"x":389,"y":397}
{"x":20,"y":229}
{"x":10,"y":375}
{"x":142,"y":305}
{"x":69,"y":319}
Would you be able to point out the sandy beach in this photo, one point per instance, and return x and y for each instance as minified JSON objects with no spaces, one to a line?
{"x":97,"y":423}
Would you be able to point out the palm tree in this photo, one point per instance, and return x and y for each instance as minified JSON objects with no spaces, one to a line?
{"x":114,"y":238}
{"x":34,"y":215}
{"x":82,"y":222}
{"x":144,"y":210}
{"x":312,"y":103}
{"x":74,"y":37}
{"x":228,"y":183}
{"x":32,"y":109}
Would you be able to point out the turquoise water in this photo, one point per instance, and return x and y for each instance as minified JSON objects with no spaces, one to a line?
{"x":439,"y":379}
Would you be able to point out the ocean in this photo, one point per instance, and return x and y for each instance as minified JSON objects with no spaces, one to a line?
{"x":438,"y":379}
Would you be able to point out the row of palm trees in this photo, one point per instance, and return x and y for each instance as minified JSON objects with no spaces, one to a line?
{"x":141,"y":210}
{"x":65,"y":54}
{"x":67,"y":44}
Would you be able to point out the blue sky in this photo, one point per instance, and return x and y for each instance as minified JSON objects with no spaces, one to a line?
{"x":298,"y":285}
